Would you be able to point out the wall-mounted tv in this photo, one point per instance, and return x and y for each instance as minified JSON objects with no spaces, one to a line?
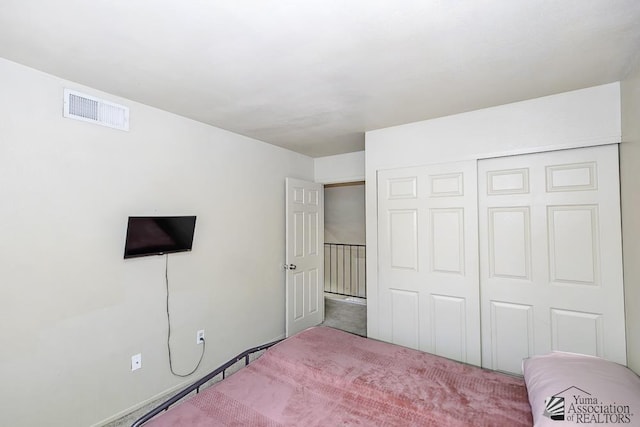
{"x":157,"y":235}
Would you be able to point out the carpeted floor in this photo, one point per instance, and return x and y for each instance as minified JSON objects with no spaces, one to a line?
{"x":345,"y":316}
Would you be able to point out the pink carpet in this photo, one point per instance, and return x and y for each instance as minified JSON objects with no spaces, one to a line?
{"x":326,"y":377}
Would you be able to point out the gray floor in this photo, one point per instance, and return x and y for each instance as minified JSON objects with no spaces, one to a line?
{"x":131,"y":418}
{"x":345,"y":316}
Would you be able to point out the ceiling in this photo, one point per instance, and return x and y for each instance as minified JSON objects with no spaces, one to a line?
{"x":314,"y":75}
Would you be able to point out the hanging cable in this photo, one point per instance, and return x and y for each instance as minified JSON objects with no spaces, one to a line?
{"x":166,"y":279}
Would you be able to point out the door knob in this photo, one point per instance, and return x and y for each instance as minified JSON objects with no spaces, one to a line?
{"x":290,"y":267}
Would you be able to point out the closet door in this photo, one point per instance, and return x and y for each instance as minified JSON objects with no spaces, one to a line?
{"x":550,"y":256}
{"x":428,"y":264}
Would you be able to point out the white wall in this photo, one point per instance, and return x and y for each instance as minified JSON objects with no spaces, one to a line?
{"x":72,"y":311}
{"x":344,"y":214}
{"x":344,"y":205}
{"x":580,"y":118}
{"x":340,"y":168}
{"x":629,"y":167}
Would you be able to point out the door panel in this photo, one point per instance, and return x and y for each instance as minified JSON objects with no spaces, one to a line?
{"x":428,"y":264}
{"x":315,"y":294}
{"x":448,"y":320}
{"x":447,"y":242}
{"x":403,"y":239}
{"x":304,"y":256}
{"x":573,"y":244}
{"x":405,"y":317}
{"x":550,"y":256}
{"x":576,"y":332}
{"x":509,"y":237}
{"x":511,"y":335}
{"x":298,"y":296}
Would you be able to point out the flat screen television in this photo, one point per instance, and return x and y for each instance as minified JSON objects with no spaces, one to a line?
{"x":157,"y":235}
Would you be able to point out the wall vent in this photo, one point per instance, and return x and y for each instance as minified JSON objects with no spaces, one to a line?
{"x":88,"y":108}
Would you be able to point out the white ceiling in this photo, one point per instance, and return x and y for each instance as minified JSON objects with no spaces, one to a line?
{"x":314,"y":75}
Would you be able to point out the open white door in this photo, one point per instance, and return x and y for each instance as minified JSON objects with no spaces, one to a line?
{"x":304,"y":255}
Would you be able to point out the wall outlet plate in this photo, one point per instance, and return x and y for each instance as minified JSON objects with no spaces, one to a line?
{"x":136,"y":362}
{"x":200,"y":336}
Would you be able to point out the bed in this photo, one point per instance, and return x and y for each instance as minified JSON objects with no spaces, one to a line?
{"x":326,"y":377}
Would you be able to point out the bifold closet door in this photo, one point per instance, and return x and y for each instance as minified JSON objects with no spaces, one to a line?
{"x":550,"y":256}
{"x":428,"y":263}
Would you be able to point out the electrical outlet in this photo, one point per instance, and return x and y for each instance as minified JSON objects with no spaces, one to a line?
{"x":200,"y":336}
{"x":136,"y":362}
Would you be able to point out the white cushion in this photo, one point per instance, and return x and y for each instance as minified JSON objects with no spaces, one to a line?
{"x":577,"y":389}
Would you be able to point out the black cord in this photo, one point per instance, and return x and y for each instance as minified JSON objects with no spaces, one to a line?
{"x":166,"y":279}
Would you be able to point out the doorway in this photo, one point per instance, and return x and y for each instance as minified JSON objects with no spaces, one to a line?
{"x":344,"y":257}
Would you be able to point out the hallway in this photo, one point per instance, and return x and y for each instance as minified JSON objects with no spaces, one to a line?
{"x":349,"y":316}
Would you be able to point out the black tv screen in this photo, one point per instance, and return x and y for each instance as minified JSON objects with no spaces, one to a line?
{"x":157,"y":235}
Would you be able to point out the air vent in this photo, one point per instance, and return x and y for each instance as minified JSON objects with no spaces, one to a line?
{"x":88,"y":108}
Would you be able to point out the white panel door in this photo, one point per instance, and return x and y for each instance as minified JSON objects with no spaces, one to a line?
{"x":550,"y":256}
{"x":304,"y":255}
{"x":428,"y":263}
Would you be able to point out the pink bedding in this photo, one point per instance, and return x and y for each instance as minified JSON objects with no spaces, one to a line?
{"x":326,"y":377}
